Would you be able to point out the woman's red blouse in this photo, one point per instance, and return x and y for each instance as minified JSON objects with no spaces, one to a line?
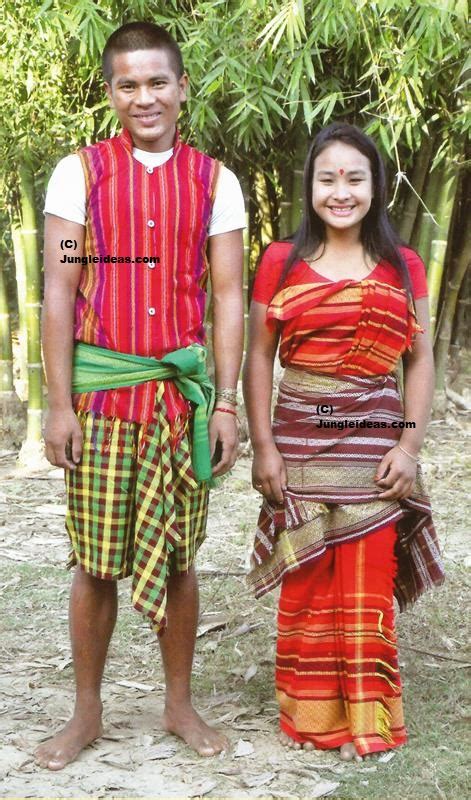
{"x":340,"y":327}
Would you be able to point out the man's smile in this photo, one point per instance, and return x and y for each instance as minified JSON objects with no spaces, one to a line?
{"x":148,"y":115}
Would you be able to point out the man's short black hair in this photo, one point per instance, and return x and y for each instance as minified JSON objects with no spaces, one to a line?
{"x":141,"y":36}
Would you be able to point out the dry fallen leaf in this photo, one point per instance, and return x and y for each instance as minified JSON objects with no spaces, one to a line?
{"x":220,"y":699}
{"x":143,"y":687}
{"x":110,"y":737}
{"x":241,"y":630}
{"x":59,"y":509}
{"x":200,"y":789}
{"x":243,"y":748}
{"x":252,"y":725}
{"x":386,"y":757}
{"x":212,"y":621}
{"x":231,"y":715}
{"x":121,"y":762}
{"x":159,"y":751}
{"x":254,"y":781}
{"x":252,"y":670}
{"x":64,"y":664}
{"x":323,"y":788}
{"x":145,"y":740}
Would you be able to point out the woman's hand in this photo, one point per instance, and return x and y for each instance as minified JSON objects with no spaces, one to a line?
{"x":269,"y":473}
{"x":396,"y":475}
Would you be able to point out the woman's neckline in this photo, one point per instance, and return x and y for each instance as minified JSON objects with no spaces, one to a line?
{"x":339,"y":280}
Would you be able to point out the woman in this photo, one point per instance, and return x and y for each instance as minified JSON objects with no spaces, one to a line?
{"x":345,"y":520}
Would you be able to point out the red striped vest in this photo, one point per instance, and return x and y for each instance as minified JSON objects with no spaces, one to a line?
{"x":144,"y":307}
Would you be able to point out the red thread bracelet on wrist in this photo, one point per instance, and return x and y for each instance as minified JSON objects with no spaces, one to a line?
{"x":226,"y":411}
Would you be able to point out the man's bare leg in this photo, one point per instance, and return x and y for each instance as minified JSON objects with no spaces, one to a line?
{"x":92,"y":615}
{"x":177,"y":646}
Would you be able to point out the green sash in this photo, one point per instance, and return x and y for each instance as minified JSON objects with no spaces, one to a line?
{"x":96,"y":368}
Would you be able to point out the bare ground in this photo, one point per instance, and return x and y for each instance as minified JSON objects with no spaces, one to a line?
{"x":233,"y":674}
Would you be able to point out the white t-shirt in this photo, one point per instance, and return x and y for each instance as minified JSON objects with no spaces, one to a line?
{"x":66,"y":192}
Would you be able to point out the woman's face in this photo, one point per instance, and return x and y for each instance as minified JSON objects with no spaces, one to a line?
{"x":342,"y":187}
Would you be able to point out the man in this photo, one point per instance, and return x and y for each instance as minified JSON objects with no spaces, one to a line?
{"x":128,"y":224}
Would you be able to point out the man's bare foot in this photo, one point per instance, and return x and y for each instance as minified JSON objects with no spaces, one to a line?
{"x":187,"y":723}
{"x":348,"y":752}
{"x":66,"y":745}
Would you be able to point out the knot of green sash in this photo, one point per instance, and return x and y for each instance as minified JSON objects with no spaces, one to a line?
{"x":96,"y":368}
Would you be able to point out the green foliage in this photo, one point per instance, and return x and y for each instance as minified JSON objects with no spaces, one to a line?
{"x":263,"y":76}
{"x":258,"y":71}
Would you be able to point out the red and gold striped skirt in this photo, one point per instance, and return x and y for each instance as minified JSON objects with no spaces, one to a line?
{"x":337,"y":674}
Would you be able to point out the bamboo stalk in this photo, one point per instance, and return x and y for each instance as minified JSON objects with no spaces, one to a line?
{"x":286,"y":178}
{"x":253,"y":218}
{"x":460,"y":261}
{"x":438,"y":244}
{"x":20,"y":276}
{"x":419,"y":175}
{"x":297,"y":194}
{"x":273,"y":206}
{"x":460,"y":266}
{"x":461,"y":327}
{"x":264,"y":211}
{"x":423,"y":232}
{"x":6,"y":350}
{"x":422,"y":242}
{"x":33,"y":302}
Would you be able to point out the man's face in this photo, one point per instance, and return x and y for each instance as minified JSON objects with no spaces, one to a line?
{"x":146,"y":95}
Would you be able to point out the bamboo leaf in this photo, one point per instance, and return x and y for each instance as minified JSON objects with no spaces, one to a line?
{"x":275,"y":106}
{"x":329,"y":107}
{"x":383,"y":135}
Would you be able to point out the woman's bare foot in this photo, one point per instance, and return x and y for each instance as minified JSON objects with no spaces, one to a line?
{"x":187,"y":723}
{"x":287,"y":741}
{"x":66,"y":745}
{"x":348,"y":752}
{"x":309,"y":747}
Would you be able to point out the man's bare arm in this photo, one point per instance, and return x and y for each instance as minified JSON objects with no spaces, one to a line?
{"x":62,"y":434}
{"x":226,"y":265}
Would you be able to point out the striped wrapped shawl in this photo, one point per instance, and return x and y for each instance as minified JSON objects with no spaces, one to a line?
{"x":331,"y":496}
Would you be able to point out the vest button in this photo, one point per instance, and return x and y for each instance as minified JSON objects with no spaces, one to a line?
{"x":150,"y":265}
{"x":150,"y":170}
{"x":150,"y":223}
{"x":151,"y":311}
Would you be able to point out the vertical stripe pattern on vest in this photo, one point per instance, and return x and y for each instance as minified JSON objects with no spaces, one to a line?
{"x":147,"y":308}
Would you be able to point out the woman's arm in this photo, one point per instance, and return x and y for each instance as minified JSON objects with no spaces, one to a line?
{"x":419,"y":382}
{"x":268,"y":469}
{"x":419,"y":379}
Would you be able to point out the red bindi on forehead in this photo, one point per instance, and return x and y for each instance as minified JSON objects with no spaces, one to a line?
{"x":341,"y":171}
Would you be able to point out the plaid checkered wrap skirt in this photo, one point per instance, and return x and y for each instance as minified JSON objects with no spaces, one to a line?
{"x":134,"y":506}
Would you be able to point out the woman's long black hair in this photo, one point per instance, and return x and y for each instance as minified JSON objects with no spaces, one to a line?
{"x":378,"y":236}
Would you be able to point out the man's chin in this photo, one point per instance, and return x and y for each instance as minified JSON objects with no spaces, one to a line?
{"x":148,"y":132}
{"x":153,"y":134}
